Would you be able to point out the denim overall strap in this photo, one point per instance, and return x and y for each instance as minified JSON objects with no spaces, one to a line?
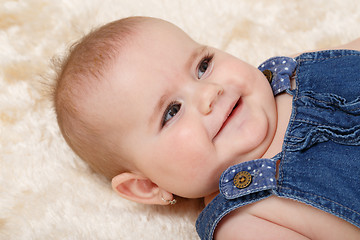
{"x":240,"y":185}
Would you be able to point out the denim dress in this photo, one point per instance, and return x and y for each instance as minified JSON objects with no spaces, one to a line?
{"x":320,"y":157}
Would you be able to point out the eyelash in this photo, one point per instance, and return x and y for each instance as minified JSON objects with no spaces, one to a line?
{"x":207,"y":58}
{"x":172,"y":104}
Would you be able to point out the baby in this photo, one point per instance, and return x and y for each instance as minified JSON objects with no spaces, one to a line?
{"x":160,"y":115}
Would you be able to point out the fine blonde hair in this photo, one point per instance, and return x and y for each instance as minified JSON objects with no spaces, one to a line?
{"x":78,"y":76}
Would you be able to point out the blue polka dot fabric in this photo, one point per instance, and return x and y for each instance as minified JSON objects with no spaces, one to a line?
{"x":262,"y":173}
{"x":281,"y":69}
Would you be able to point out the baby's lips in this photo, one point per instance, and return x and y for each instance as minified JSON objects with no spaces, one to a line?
{"x":227,"y":115}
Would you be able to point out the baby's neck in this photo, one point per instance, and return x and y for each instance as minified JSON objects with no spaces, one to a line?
{"x":284,"y":107}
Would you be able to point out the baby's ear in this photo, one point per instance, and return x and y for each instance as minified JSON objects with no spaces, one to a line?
{"x":138,"y":188}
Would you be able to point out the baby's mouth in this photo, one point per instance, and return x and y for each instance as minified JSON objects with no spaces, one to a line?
{"x":229,"y":115}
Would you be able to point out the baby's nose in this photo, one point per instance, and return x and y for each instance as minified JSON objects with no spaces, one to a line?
{"x":209,"y":94}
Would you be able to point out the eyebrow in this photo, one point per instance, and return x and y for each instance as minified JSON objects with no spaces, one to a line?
{"x":198,"y":52}
{"x":159,"y":105}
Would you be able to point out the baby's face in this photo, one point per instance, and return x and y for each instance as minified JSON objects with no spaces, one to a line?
{"x":182,"y":112}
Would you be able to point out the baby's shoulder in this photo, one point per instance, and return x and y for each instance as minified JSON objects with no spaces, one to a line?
{"x":261,"y":220}
{"x":353,"y":45}
{"x":280,"y":218}
{"x":242,"y":224}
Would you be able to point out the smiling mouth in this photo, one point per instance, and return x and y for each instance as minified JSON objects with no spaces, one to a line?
{"x":229,"y":116}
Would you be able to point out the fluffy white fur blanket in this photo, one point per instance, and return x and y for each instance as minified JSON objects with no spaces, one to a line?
{"x":46,"y":192}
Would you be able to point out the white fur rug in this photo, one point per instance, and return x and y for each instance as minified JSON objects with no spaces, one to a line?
{"x":48,"y":193}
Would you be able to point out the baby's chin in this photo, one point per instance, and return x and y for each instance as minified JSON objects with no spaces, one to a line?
{"x":239,"y":152}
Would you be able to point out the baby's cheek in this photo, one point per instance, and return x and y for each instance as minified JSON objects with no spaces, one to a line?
{"x":193,"y":146}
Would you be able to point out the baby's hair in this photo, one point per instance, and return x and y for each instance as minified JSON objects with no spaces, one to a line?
{"x":78,"y":77}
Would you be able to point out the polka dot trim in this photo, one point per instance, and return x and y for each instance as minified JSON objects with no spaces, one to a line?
{"x":280,"y":69}
{"x":260,"y":175}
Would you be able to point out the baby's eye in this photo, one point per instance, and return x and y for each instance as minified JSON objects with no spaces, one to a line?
{"x":204,"y":65}
{"x":170,"y":112}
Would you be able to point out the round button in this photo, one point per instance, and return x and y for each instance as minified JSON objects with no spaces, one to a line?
{"x":242,"y":179}
{"x":268,"y":74}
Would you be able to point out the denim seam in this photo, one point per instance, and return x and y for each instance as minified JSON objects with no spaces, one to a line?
{"x":319,"y":205}
{"x":295,"y":137}
{"x":286,"y":144}
{"x":247,"y":192}
{"x":320,"y":125}
{"x":334,"y":139}
{"x":215,"y":223}
{"x":325,"y":58}
{"x":316,"y":100}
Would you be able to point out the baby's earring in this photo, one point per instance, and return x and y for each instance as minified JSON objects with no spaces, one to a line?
{"x":171,"y":202}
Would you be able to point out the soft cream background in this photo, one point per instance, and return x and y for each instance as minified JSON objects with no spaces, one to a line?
{"x":45,"y":191}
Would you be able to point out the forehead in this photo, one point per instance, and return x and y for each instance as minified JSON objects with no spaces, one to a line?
{"x":160,"y":30}
{"x":159,"y":51}
{"x":154,"y":49}
{"x":153,"y":61}
{"x":160,"y":40}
